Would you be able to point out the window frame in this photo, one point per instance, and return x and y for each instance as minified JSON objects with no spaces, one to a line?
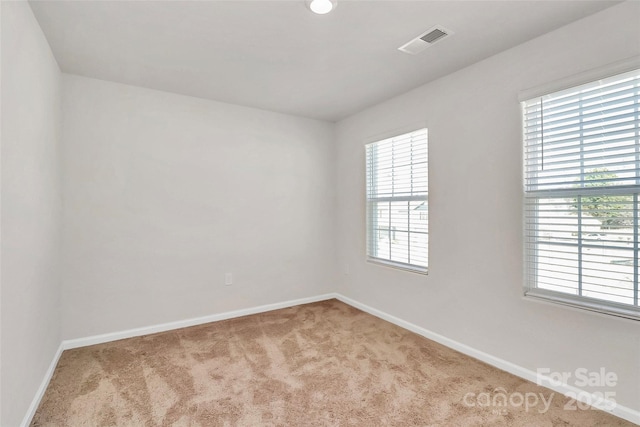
{"x":398,"y":265}
{"x":531,"y":290}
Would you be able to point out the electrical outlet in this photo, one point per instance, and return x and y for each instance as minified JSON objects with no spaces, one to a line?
{"x":228,"y":279}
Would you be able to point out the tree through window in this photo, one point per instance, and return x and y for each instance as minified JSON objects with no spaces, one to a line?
{"x":582,"y":184}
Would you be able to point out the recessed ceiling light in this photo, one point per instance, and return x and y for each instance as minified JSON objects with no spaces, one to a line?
{"x":321,"y":6}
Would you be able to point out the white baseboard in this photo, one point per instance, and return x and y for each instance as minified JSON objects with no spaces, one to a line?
{"x":146,"y":330}
{"x":616,"y":409}
{"x":43,"y":387}
{"x":114,"y":336}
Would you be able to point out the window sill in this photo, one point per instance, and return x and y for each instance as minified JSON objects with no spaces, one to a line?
{"x":603,"y":307}
{"x":399,"y":266}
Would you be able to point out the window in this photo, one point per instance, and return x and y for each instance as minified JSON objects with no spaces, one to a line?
{"x":397,"y":207}
{"x":582,"y":184}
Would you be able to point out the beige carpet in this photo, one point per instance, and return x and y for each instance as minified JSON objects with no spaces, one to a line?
{"x":321,"y":364}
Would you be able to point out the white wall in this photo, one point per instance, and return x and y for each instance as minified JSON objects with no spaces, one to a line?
{"x":31,"y":209}
{"x":164,"y":194}
{"x":473,"y":293}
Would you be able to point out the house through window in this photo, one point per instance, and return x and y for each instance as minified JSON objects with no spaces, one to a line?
{"x":397,"y":204}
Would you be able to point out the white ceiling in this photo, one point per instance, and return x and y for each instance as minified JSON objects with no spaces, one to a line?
{"x":279,"y":56}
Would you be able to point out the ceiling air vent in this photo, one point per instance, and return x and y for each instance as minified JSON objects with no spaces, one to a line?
{"x":426,"y":39}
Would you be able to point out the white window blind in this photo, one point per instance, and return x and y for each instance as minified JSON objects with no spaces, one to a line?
{"x":582,"y":181}
{"x":397,"y":206}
